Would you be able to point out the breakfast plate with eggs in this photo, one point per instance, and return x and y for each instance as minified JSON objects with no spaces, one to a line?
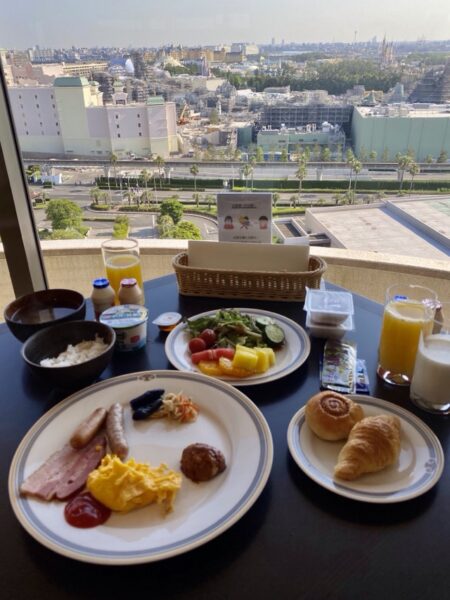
{"x":187,"y":510}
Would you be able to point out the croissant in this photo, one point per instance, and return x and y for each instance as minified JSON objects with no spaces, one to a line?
{"x":373,"y":444}
{"x":331,"y":416}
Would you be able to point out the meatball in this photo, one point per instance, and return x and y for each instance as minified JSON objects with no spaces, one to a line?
{"x":201,"y":462}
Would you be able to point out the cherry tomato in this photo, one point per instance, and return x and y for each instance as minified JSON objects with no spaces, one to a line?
{"x":209,"y":336}
{"x":197,"y":345}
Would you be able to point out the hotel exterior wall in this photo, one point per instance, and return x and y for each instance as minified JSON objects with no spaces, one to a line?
{"x":73,"y":264}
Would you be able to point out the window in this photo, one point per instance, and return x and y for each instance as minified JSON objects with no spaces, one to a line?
{"x":139,"y":124}
{"x":118,"y":135}
{"x":118,"y":126}
{"x":140,"y":134}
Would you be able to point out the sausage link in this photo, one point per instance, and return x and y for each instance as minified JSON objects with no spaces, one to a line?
{"x":86,"y":431}
{"x":115,"y":431}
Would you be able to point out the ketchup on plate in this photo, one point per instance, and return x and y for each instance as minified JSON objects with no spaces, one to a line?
{"x":85,"y":511}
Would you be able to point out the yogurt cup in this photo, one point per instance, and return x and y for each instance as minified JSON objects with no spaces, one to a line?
{"x":129,"y":321}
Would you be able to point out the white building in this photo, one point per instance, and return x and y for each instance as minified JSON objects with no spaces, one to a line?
{"x":69,"y":119}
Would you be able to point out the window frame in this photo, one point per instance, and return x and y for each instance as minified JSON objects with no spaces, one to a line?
{"x":17,"y":225}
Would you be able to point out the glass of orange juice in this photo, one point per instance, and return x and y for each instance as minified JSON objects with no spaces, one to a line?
{"x":408,"y":311}
{"x":122,"y":261}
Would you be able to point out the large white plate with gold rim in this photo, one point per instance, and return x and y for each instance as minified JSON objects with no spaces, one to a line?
{"x":418,"y":469}
{"x":228,"y":420}
{"x":289,"y":357}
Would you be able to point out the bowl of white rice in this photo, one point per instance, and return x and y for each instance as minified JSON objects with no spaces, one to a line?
{"x":70,"y":355}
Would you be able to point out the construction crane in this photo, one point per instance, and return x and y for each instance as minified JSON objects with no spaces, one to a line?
{"x":182,"y":119}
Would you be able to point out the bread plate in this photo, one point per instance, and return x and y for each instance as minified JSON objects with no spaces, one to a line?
{"x":418,"y":469}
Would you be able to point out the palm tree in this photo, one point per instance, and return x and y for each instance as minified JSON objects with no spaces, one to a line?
{"x":113,"y":161}
{"x":300,"y":174}
{"x":245,"y":172}
{"x":373,"y":155}
{"x":160,"y":162}
{"x":194,"y":172}
{"x":129,"y":194}
{"x":94,"y":194}
{"x":413,"y":170}
{"x":252,"y":167}
{"x":145,"y":176}
{"x":350,"y":157}
{"x":357,"y":167}
{"x":404,"y":162}
{"x":275,"y":199}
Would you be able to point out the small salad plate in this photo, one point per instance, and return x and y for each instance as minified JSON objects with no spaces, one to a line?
{"x":289,"y":357}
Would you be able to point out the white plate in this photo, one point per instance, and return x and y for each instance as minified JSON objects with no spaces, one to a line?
{"x":289,"y":357}
{"x":228,"y":420}
{"x":419,"y":467}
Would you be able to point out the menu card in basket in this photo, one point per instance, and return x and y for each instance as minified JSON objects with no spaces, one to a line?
{"x":245,"y":217}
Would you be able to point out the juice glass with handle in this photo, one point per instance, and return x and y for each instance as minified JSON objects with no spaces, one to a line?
{"x":122,"y":261}
{"x":408,"y":311}
{"x":430,"y":385}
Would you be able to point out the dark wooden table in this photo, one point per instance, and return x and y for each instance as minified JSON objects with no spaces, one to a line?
{"x":298,"y":540}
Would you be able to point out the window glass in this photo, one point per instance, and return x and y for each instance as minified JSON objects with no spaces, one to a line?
{"x":340,"y":111}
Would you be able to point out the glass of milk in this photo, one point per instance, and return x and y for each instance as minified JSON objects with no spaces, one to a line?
{"x":430,"y":385}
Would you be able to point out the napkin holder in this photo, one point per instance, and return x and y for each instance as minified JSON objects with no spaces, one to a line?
{"x":285,"y":286}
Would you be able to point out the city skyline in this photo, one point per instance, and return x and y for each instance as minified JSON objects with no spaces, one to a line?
{"x":106,"y":23}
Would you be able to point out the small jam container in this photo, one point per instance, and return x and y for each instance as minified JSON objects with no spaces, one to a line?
{"x":328,"y":307}
{"x":167,"y":321}
{"x":129,"y":321}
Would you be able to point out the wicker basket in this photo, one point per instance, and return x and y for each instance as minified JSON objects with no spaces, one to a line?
{"x":255,"y":285}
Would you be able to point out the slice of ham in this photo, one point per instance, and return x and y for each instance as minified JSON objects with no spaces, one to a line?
{"x":65,"y":471}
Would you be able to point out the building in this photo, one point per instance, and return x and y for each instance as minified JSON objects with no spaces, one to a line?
{"x":290,"y":139}
{"x":388,"y":130}
{"x":300,"y":115}
{"x":83,"y":69}
{"x":418,"y":227}
{"x":69,"y":119}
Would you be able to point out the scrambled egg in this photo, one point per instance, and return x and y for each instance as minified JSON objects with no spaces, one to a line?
{"x":123,"y":486}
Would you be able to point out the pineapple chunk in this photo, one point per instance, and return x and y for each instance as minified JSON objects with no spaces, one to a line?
{"x":270,"y":354}
{"x":245,"y":358}
{"x":263,"y":361}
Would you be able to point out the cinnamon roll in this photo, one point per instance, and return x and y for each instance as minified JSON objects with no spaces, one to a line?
{"x":331,"y":416}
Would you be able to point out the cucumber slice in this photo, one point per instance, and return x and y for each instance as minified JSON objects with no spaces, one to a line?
{"x":274,"y":334}
{"x":262,"y":322}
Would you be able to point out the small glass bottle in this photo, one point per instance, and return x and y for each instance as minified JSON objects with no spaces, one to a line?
{"x":102,"y":296}
{"x":130,"y":292}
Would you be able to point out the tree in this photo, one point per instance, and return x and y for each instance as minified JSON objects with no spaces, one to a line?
{"x":147,"y":197}
{"x":259,"y":154}
{"x":245,"y":173}
{"x":300,"y":174}
{"x":160,"y":162}
{"x":113,"y":160}
{"x":252,"y":168}
{"x":339,"y":153}
{"x":404,"y":161}
{"x":172,"y":208}
{"x":443,"y":157}
{"x":121,"y":227}
{"x":145,"y":177}
{"x":325,"y":155}
{"x":373,"y":155}
{"x":130,"y":196}
{"x":429,"y":159}
{"x":196,"y":198}
{"x":165,"y":226}
{"x":316,"y":151}
{"x":363,"y":154}
{"x":357,"y":167}
{"x":385,"y":155}
{"x":413,"y":170}
{"x":185,"y":230}
{"x":284,"y":155}
{"x":210,"y":199}
{"x":275,"y":199}
{"x":94,"y":195}
{"x":350,"y":157}
{"x":64,"y":214}
{"x":194,"y":172}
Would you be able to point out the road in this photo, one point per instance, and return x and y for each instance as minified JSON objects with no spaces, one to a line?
{"x":229,"y":171}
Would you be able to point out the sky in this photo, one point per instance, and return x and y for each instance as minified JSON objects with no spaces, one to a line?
{"x":63,"y":23}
